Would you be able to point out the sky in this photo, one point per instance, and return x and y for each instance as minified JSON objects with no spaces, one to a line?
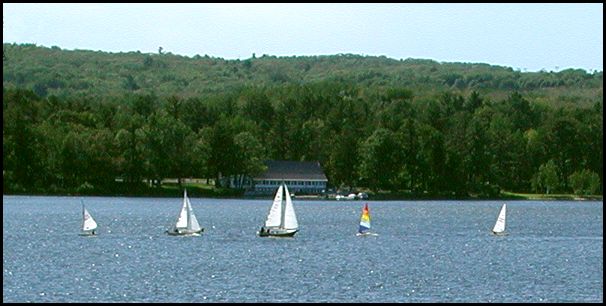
{"x":528,"y":37}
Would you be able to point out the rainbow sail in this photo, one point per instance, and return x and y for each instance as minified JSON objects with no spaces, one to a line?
{"x":364,"y":220}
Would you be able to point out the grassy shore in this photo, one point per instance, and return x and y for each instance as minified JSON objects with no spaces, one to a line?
{"x":203,"y":190}
{"x":539,"y":196}
{"x":197,"y":190}
{"x":503,"y":195}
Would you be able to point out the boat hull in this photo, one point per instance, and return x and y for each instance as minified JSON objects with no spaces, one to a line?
{"x":499,"y":233}
{"x":366,"y":234}
{"x":185,"y":233}
{"x":87,"y":233}
{"x":279,"y":233}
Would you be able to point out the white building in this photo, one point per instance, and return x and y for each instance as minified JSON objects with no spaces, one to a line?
{"x":300,"y":177}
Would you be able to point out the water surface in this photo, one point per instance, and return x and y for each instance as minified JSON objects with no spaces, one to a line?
{"x":426,"y":251}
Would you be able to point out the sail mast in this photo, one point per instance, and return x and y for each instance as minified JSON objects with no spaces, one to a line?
{"x":188,"y":209}
{"x":290,"y":218}
{"x":83,"y":214}
{"x":275,"y":212}
{"x":283,"y":210}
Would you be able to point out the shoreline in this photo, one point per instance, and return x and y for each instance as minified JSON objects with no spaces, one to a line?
{"x":384,"y":197}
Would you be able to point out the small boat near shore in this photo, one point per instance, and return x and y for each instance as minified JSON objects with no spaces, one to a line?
{"x":499,"y":227}
{"x":281,"y":220}
{"x":364,"y":227}
{"x":186,"y":224}
{"x":89,"y":225}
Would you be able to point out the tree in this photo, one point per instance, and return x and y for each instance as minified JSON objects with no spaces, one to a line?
{"x":254,"y":104}
{"x":584,"y":182}
{"x":250,"y":157}
{"x":563,"y":145}
{"x":410,"y":155}
{"x":167,"y":143}
{"x":20,"y":138}
{"x":343,"y":160}
{"x":535,"y":149}
{"x":129,"y":83}
{"x":223,"y":150}
{"x":477,"y":158}
{"x":247,"y":64}
{"x":197,"y":114}
{"x":507,"y":148}
{"x":473,"y":102}
{"x":219,"y":113}
{"x":73,"y":159}
{"x":519,"y":111}
{"x":201,"y":150}
{"x":148,"y":61}
{"x":395,"y":107}
{"x":547,"y":178}
{"x":130,"y":142}
{"x":436,"y":158}
{"x":379,"y":165}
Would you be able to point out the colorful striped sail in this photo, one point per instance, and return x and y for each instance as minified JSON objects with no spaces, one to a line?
{"x":364,"y":220}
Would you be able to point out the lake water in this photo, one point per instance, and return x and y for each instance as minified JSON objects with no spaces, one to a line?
{"x":426,"y":251}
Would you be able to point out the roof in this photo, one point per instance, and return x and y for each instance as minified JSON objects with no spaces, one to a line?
{"x":292,"y":170}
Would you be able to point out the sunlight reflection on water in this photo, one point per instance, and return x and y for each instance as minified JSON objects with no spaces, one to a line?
{"x":434,"y":251}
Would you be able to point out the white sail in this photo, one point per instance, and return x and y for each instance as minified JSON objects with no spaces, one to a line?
{"x":187,"y":223}
{"x":290,"y":218}
{"x":182,"y":220}
{"x":499,"y":227}
{"x":193,"y":222}
{"x":88,"y":223}
{"x":275,"y":213}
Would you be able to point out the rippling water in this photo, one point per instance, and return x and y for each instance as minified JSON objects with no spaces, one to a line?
{"x":426,"y":251}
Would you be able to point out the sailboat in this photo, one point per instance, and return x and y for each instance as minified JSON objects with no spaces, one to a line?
{"x":499,"y":227}
{"x":281,"y":220}
{"x":89,"y":226}
{"x":186,"y":224}
{"x":364,"y":228}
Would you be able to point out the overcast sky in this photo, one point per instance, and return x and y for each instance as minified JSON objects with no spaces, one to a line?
{"x":529,"y":37}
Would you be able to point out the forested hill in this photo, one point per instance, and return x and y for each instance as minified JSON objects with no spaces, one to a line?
{"x":83,"y":121}
{"x":52,"y":71}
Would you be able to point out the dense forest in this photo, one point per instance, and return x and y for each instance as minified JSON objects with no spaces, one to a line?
{"x":75,"y":121}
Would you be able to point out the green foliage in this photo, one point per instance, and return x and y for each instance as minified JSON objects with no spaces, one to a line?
{"x":130,"y":83}
{"x":584,"y":182}
{"x":547,"y":179}
{"x":64,"y":72}
{"x":79,"y":120}
{"x":379,"y":159}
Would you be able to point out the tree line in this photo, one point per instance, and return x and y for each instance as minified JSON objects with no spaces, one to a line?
{"x":65,"y":73}
{"x":384,"y":138}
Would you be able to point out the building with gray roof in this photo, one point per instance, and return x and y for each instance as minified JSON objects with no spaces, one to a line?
{"x":300,"y":177}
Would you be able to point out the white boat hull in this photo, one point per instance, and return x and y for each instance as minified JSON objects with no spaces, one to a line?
{"x":185,"y":233}
{"x":366,"y":234}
